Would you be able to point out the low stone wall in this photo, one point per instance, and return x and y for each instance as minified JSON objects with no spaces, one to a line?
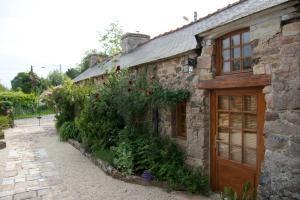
{"x":111,"y":171}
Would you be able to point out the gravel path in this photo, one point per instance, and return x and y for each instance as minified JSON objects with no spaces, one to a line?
{"x":82,"y":179}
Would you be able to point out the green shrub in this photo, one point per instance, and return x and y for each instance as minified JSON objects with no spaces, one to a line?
{"x":112,"y":121}
{"x":4,"y":122}
{"x":67,"y":131}
{"x":104,"y":154}
{"x":230,"y":194}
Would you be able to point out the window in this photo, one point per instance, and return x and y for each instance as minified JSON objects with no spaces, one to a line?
{"x":237,"y":128}
{"x":181,"y":120}
{"x":234,"y":52}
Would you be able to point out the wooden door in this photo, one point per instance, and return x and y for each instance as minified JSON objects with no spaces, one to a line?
{"x":237,"y":145}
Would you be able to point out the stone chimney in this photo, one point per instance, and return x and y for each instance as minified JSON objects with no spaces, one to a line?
{"x":97,"y":58}
{"x":131,"y":40}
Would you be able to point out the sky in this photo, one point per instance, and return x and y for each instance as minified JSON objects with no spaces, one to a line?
{"x":48,"y":33}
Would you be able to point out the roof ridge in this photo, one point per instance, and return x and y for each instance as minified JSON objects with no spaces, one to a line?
{"x":198,"y":20}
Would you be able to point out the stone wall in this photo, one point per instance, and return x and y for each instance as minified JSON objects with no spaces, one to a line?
{"x":170,"y":74}
{"x":278,"y":54}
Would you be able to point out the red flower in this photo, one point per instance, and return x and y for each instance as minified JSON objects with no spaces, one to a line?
{"x":130,"y":82}
{"x":118,"y":68}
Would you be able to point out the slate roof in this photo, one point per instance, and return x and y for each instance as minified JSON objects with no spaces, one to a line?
{"x":182,"y":39}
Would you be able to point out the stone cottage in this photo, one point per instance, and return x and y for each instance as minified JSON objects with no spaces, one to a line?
{"x":242,"y":66}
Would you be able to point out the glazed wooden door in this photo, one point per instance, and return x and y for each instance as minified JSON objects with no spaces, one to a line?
{"x":237,"y":145}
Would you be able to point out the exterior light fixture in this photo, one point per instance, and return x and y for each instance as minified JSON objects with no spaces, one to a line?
{"x":188,"y":65}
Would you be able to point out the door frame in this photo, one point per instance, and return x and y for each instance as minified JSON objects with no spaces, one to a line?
{"x":260,"y":127}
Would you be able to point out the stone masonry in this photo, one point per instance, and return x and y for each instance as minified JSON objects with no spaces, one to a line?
{"x":279,"y":56}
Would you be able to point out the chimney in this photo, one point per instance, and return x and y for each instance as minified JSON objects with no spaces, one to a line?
{"x":131,"y":40}
{"x":97,"y":58}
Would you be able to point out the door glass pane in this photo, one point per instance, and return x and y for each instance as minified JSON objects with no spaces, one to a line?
{"x":226,"y":67}
{"x":223,"y":120}
{"x":250,"y":121}
{"x":236,"y":137}
{"x":250,"y":103}
{"x":226,"y":55}
{"x":223,"y":135}
{"x":246,"y":37}
{"x":223,"y":150}
{"x":225,"y":43}
{"x":236,"y":103}
{"x":223,"y":103}
{"x":236,"y":121}
{"x":236,"y":65}
{"x":235,"y":40}
{"x":250,"y":139}
{"x":236,"y":52}
{"x":247,"y":65}
{"x":250,"y":156}
{"x":236,"y":153}
{"x":247,"y":51}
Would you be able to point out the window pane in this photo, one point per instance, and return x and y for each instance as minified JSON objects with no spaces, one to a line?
{"x":223,"y":102}
{"x":247,"y":65}
{"x":223,"y":120}
{"x":236,"y":65}
{"x":236,"y":154}
{"x":223,"y":135}
{"x":250,"y":139}
{"x":236,"y":121}
{"x":226,"y":55}
{"x":236,"y":137}
{"x":226,"y":67}
{"x":249,"y":103}
{"x":236,"y":52}
{"x":250,"y":156}
{"x":250,"y":121}
{"x":246,"y":37}
{"x":236,"y":103}
{"x":223,"y":150}
{"x":246,"y":51}
{"x":225,"y":43}
{"x":235,"y":40}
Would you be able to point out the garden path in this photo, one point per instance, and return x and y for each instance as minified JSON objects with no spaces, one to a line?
{"x":36,"y":165}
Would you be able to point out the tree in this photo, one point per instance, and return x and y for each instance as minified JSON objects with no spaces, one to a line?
{"x":111,"y":39}
{"x":26,"y":82}
{"x":2,"y":87}
{"x":56,"y":78}
{"x":72,"y":72}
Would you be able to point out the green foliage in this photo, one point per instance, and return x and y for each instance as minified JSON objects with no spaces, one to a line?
{"x":123,"y":159}
{"x":2,"y":88}
{"x":112,"y":122}
{"x":104,"y":154}
{"x":73,"y":72}
{"x":230,"y":194}
{"x":56,"y":78}
{"x":4,"y":122}
{"x":68,"y":130}
{"x":111,"y":39}
{"x":27,"y":83}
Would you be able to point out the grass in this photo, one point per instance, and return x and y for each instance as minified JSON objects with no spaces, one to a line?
{"x":32,"y":115}
{"x":104,"y":155}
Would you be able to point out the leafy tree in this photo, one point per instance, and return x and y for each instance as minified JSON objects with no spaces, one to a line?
{"x":72,"y":72}
{"x":26,"y":82}
{"x":111,"y":39}
{"x":56,"y":78}
{"x":2,"y":88}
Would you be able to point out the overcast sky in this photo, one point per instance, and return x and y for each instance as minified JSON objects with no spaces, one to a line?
{"x":46,"y":33}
